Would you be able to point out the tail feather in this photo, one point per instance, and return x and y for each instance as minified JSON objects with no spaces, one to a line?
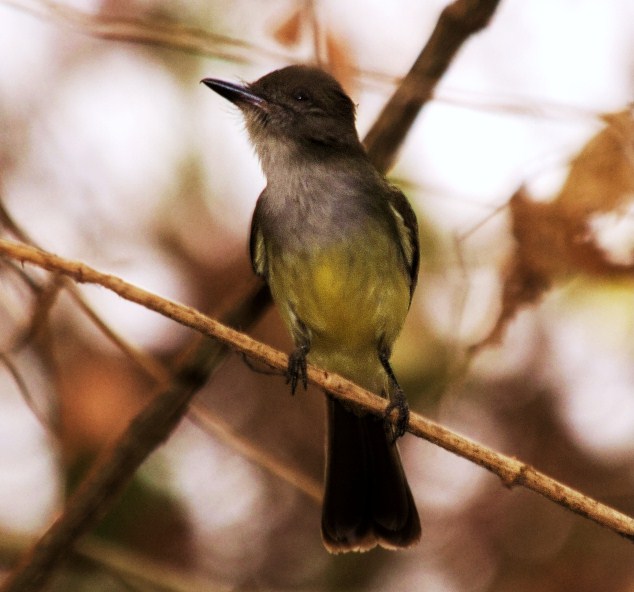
{"x":367,"y":499}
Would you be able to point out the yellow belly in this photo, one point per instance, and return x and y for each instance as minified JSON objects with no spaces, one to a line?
{"x":349,"y":297}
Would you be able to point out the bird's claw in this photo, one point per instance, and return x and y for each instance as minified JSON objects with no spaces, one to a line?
{"x":297,"y":371}
{"x":399,"y":427}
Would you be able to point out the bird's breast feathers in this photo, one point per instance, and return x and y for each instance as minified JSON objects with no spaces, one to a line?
{"x":352,"y":292}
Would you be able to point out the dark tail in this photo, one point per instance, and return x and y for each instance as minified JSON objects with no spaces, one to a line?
{"x":367,"y":499}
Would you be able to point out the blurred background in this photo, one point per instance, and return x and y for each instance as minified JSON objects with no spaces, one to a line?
{"x":521,"y":333}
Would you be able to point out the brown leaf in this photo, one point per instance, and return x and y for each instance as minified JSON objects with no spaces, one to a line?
{"x":602,"y":175}
{"x":555,"y":240}
{"x":289,"y":32}
{"x":340,"y":63}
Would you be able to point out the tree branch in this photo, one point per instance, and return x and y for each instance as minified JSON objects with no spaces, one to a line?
{"x":456,"y":24}
{"x":126,"y":455}
{"x":159,"y":33}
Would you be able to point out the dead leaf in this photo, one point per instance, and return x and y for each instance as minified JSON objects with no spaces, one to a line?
{"x":289,"y":32}
{"x":556,"y":240}
{"x":340,"y":63}
{"x":601,"y":177}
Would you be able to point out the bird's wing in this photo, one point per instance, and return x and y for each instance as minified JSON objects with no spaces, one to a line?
{"x":407,"y":228}
{"x":257,"y":249}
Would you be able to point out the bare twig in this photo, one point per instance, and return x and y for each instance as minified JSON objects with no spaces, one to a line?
{"x":140,"y":569}
{"x":160,"y":33}
{"x":256,"y":454}
{"x":110,"y":474}
{"x":147,"y":363}
{"x":456,"y":24}
{"x":176,"y":36}
{"x":122,"y":562}
{"x":510,"y":470}
{"x":6,"y":361}
{"x":47,"y":297}
{"x":117,"y":464}
{"x":185,"y":315}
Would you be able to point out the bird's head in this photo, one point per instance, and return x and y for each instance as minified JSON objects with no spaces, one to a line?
{"x":299,"y":105}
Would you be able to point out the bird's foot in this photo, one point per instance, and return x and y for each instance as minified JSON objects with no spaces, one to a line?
{"x":399,"y":403}
{"x":297,"y":371}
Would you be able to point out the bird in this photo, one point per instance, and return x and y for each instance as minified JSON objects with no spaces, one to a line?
{"x":338,"y":247}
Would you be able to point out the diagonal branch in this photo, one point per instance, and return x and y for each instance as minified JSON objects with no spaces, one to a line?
{"x":117,"y":464}
{"x":510,"y":470}
{"x":159,"y":33}
{"x":456,"y":24}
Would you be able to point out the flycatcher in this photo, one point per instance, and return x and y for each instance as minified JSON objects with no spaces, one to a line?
{"x":338,"y":246}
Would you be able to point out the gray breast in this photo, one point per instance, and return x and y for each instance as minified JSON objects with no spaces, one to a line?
{"x":312,"y":205}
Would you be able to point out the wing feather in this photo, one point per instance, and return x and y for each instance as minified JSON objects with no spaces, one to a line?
{"x":407,"y":228}
{"x":257,"y":248}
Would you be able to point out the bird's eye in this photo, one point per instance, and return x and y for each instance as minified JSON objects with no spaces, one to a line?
{"x":300,"y":95}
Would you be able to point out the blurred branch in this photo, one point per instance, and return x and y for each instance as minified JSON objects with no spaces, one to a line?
{"x":47,"y":295}
{"x":117,"y":464}
{"x":176,"y":36}
{"x":212,"y":423}
{"x":156,"y":421}
{"x":21,"y":385}
{"x":142,"y":571}
{"x":456,"y":24}
{"x":109,"y":475}
{"x":125,"y":563}
{"x":160,"y":33}
{"x":180,"y":313}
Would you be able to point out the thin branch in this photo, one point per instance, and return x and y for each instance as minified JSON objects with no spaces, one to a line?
{"x":211,"y":423}
{"x":182,"y":314}
{"x":173,"y":35}
{"x":160,"y":33}
{"x":46,"y":296}
{"x":139,"y":568}
{"x":456,"y":24}
{"x":101,"y":487}
{"x":110,"y":474}
{"x":198,"y":355}
{"x":147,"y":363}
{"x":116,"y":465}
{"x":511,"y":471}
{"x":20,"y":383}
{"x":122,"y":561}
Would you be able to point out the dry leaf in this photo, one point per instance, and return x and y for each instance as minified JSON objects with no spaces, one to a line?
{"x":559,"y":239}
{"x":340,"y":63}
{"x":289,"y":32}
{"x":602,"y":175}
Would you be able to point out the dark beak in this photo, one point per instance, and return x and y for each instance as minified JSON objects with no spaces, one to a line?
{"x":237,"y":94}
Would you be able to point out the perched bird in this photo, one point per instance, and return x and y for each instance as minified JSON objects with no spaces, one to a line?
{"x":338,"y":246}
